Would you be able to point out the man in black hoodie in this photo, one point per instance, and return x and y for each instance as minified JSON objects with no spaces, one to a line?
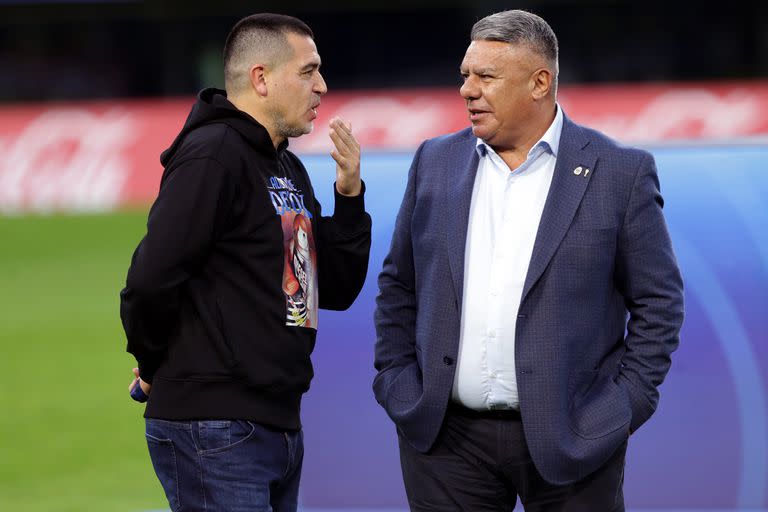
{"x":220,"y":304}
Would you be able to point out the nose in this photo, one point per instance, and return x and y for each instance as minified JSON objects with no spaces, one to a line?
{"x":469,"y":89}
{"x":320,"y":87}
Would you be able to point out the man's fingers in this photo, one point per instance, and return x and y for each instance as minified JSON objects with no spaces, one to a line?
{"x":135,"y":379}
{"x":340,"y":125}
{"x":347,"y":136}
{"x":337,"y":121}
{"x":339,"y":159}
{"x":343,"y":131}
{"x":342,"y":146}
{"x":347,"y":156}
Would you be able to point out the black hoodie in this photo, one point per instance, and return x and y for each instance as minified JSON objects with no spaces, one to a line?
{"x":220,"y":304}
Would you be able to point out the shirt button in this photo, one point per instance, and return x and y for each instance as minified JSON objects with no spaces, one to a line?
{"x":493,"y":375}
{"x":491,"y":334}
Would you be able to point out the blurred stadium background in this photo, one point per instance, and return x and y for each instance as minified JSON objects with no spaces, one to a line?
{"x":91,"y":92}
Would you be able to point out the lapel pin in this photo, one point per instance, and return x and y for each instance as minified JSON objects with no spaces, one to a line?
{"x":577,"y":171}
{"x":586,"y":171}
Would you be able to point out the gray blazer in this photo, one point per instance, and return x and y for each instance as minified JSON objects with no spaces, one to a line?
{"x":601,"y":308}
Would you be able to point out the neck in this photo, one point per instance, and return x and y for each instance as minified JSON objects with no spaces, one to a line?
{"x":254,"y":110}
{"x":515,"y":151}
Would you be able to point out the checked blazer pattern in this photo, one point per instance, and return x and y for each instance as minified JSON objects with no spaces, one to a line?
{"x":601,"y":307}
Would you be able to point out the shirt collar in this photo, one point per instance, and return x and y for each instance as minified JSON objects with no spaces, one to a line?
{"x":550,"y":140}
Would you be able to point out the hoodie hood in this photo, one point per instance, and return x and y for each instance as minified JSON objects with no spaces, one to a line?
{"x":212,"y":106}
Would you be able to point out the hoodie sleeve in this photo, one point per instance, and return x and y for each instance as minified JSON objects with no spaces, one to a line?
{"x":182,"y":227}
{"x":344,"y":244}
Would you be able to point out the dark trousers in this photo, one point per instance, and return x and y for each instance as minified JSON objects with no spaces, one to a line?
{"x":481,"y":463}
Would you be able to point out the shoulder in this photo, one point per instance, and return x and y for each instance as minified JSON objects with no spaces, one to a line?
{"x":215,"y":140}
{"x":212,"y":147}
{"x":461,"y":137}
{"x":613,"y":150}
{"x":619,"y":162}
{"x":610,"y":145}
{"x":447,"y":147}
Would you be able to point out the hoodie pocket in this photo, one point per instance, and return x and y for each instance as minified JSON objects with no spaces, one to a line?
{"x":266,"y":355}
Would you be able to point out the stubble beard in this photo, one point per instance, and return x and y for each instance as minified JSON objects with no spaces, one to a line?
{"x":284,"y":129}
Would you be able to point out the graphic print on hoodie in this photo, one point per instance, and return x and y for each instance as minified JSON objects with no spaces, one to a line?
{"x":300,"y":257}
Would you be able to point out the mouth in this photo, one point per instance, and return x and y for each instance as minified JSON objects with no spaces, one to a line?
{"x":476,"y":115}
{"x":313,"y":111}
{"x":475,"y":111}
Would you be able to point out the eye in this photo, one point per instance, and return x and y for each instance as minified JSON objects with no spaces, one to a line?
{"x":309,"y":71}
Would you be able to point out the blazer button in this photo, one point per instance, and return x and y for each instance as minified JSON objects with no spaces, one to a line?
{"x":448,"y":361}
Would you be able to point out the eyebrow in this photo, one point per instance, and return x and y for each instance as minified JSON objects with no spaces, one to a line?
{"x":479,"y":71}
{"x":311,"y":65}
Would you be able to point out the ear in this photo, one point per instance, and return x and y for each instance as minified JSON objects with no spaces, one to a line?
{"x":257,"y":75}
{"x":541,"y":83}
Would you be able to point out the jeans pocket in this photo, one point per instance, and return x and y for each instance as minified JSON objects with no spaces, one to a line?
{"x":239,"y":465}
{"x":217,"y":436}
{"x":163,"y":455}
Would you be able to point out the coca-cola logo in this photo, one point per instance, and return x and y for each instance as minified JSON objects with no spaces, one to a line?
{"x":66,"y":159}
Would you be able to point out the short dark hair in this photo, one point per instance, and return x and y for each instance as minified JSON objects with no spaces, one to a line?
{"x":261,"y":36}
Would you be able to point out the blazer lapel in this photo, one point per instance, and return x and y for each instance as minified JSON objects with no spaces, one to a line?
{"x":461,"y":164}
{"x":565,"y":194}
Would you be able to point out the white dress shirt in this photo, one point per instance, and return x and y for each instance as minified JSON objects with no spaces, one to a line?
{"x":503,"y":220}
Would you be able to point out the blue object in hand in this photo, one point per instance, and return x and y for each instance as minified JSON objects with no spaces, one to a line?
{"x":138,"y":394}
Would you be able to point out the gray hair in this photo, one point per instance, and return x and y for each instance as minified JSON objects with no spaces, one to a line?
{"x":518,"y":27}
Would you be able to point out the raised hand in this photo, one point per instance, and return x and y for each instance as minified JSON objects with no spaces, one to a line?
{"x":347,"y":156}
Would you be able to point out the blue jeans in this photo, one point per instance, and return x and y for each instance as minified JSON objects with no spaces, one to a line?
{"x":226,"y":465}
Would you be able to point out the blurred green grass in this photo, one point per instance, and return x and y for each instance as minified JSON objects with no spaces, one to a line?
{"x":70,"y":437}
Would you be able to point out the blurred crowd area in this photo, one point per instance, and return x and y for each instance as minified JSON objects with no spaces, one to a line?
{"x":153,"y":48}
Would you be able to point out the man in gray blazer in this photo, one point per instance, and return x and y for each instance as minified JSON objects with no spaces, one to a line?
{"x":530,"y":300}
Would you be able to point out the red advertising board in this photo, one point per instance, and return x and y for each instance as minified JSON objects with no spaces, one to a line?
{"x":97,"y":156}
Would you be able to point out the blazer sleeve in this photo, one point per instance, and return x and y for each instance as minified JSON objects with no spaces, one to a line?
{"x":395,"y":315}
{"x":650,"y":282}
